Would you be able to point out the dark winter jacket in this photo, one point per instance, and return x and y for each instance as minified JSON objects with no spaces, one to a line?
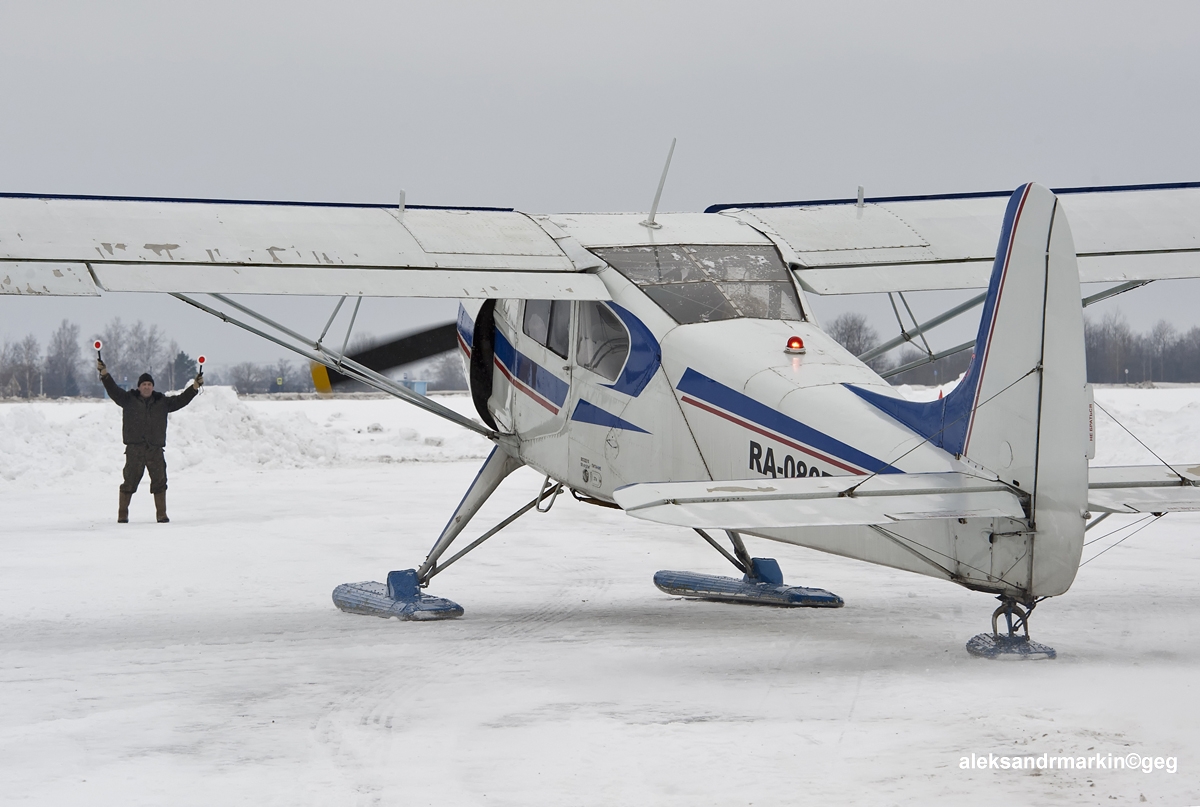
{"x":145,"y":419}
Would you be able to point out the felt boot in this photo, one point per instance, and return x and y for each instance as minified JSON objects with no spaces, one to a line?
{"x":160,"y":507}
{"x":123,"y":508}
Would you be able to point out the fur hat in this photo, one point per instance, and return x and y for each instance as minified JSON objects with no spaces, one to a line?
{"x":144,"y":377}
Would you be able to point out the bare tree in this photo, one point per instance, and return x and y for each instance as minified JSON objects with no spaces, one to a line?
{"x":1183,"y":361}
{"x":1162,"y":337}
{"x":115,"y":335}
{"x":851,"y":331}
{"x":29,"y":359}
{"x":9,"y":387}
{"x":166,"y":377}
{"x":144,"y":352}
{"x":247,"y":378}
{"x":1111,"y":349}
{"x":62,"y":368}
{"x":281,"y":376}
{"x":288,"y":377}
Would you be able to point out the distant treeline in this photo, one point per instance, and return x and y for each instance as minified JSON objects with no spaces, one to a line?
{"x":67,"y":367}
{"x":1115,"y":353}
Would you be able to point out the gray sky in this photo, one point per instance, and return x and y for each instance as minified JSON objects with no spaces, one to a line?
{"x":555,"y":107}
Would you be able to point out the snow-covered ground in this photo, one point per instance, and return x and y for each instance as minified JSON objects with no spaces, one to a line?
{"x":202,"y":662}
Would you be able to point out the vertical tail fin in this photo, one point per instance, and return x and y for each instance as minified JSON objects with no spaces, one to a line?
{"x":1020,"y":411}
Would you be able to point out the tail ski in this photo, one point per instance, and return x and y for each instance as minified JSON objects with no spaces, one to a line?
{"x":1020,"y":411}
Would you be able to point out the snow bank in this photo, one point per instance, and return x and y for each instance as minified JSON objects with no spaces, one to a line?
{"x":1163,"y":418}
{"x":918,"y":392}
{"x":44,"y":441}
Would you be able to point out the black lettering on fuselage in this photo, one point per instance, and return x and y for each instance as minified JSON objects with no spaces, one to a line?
{"x":789,"y":467}
{"x":755,"y":457}
{"x":769,"y":462}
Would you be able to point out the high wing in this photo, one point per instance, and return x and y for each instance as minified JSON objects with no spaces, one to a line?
{"x":820,"y":501}
{"x":73,"y":245}
{"x":77,"y":245}
{"x":921,"y":243}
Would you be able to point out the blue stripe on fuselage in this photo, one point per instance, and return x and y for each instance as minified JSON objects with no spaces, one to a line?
{"x":466,"y":327}
{"x":645,"y":355}
{"x":729,"y":399}
{"x":529,"y":372}
{"x":945,"y":422}
{"x":590,"y":413}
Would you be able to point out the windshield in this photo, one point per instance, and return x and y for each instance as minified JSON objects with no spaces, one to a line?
{"x":710,"y":283}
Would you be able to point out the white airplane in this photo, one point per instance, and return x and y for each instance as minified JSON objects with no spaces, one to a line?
{"x":671,"y":365}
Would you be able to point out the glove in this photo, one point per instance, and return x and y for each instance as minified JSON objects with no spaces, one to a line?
{"x":102,"y":368}
{"x":199,"y":382}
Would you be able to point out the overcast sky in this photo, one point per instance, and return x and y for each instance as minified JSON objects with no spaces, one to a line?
{"x":556,"y":107}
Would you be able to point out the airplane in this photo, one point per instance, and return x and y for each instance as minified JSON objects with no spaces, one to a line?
{"x":671,"y":365}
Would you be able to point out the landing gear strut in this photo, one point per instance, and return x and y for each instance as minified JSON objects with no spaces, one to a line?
{"x":761,"y":583}
{"x":401,"y":597}
{"x":1015,"y":644}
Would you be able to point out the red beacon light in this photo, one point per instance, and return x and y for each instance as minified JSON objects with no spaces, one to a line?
{"x":794,"y":345}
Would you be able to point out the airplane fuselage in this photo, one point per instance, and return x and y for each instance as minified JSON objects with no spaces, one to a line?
{"x":685,"y":401}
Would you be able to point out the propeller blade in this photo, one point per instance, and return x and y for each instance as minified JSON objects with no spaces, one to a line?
{"x":381,"y":358}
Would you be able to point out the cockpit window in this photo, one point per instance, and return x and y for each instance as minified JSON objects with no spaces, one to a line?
{"x":706,"y":283}
{"x":603,"y":343}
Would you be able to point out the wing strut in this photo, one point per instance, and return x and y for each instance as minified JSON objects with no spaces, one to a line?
{"x":962,"y":308}
{"x":314,"y":351}
{"x":906,"y":336}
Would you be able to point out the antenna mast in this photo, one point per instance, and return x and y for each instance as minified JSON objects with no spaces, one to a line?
{"x":650,"y":222}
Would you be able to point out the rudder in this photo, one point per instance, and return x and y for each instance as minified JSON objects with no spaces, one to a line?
{"x":1020,"y":410}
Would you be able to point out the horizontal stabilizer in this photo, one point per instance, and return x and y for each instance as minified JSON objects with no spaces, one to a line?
{"x":819,"y":501}
{"x":1144,"y":489}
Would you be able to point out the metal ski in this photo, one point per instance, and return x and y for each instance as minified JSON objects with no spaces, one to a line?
{"x":400,"y":598}
{"x":762,"y":586}
{"x":1014,"y":644}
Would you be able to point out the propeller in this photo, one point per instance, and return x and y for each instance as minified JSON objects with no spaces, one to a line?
{"x":381,"y":358}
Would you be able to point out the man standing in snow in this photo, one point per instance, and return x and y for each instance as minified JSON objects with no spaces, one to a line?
{"x":144,"y":431}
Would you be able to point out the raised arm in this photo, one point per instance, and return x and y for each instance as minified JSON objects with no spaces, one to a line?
{"x":177,"y":402}
{"x":118,"y":395}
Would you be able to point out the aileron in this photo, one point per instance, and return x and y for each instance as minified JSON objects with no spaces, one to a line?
{"x":46,"y":278}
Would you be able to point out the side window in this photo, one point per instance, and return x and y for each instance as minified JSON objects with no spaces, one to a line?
{"x":548,"y":322}
{"x":537,"y":320}
{"x":603,"y":343}
{"x":560,"y":327}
